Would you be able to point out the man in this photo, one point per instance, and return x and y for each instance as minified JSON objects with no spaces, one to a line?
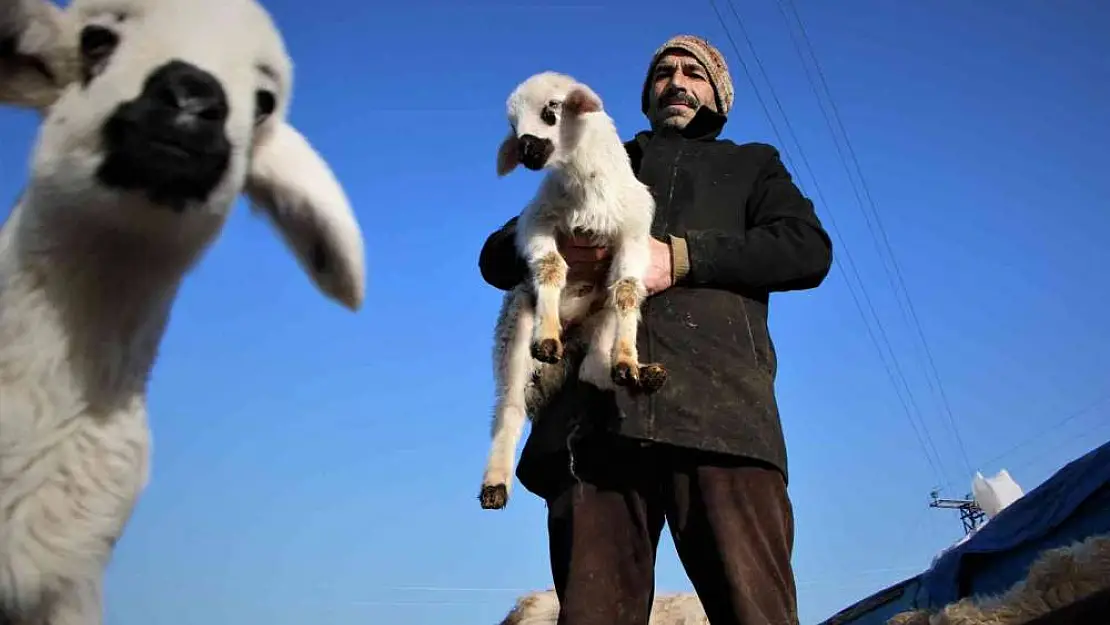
{"x":706,"y":452}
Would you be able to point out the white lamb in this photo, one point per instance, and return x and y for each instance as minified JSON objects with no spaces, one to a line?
{"x":157,"y":114}
{"x":590,"y":189}
{"x":542,"y":608}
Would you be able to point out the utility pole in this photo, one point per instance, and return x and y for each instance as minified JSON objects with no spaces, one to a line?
{"x":970,"y":513}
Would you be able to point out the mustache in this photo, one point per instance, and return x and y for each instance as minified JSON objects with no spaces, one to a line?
{"x":679,"y":96}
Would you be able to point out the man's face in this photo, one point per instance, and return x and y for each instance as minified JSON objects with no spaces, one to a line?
{"x":679,"y":85}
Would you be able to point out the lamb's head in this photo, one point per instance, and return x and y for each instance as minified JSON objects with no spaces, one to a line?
{"x":170,"y":110}
{"x":547,"y":113}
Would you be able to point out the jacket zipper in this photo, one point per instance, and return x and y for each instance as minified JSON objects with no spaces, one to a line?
{"x":664,"y":225}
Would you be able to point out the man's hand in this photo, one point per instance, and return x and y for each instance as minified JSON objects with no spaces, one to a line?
{"x":659,"y":274}
{"x":585,"y":261}
{"x":589,"y":263}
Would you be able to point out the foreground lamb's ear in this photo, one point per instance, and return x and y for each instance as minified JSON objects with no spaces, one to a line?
{"x":38,"y":53}
{"x":507,"y":155}
{"x":293,"y":185}
{"x":580,"y":100}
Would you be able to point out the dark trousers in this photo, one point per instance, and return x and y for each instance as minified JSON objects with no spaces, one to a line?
{"x":731,"y":520}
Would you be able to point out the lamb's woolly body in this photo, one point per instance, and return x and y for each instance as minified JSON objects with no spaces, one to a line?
{"x":1057,"y":578}
{"x":542,"y":608}
{"x":88,"y":276}
{"x":74,"y":443}
{"x":590,"y":188}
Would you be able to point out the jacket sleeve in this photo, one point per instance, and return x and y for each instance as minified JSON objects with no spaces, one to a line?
{"x":501,"y":265}
{"x":785,"y":247}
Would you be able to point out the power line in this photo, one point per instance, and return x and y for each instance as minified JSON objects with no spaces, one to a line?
{"x":1036,"y":436}
{"x":1044,"y":452}
{"x":895,"y":373}
{"x":897,"y":274}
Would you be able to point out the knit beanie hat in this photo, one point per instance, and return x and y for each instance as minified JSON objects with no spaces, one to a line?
{"x":709,"y":57}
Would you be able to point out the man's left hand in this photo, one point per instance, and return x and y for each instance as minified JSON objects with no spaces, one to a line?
{"x":659,"y":276}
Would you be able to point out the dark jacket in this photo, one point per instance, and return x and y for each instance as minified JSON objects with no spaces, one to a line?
{"x":749,"y":231}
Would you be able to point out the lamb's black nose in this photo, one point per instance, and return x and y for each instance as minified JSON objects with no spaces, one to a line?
{"x":170,"y":140}
{"x":534,"y":151}
{"x":191,"y":93}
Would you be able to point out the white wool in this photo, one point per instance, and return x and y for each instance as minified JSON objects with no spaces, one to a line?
{"x":1056,"y":578}
{"x":589,"y":188}
{"x":88,"y":273}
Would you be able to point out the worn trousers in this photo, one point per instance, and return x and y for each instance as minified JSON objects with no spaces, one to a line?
{"x":731,"y":520}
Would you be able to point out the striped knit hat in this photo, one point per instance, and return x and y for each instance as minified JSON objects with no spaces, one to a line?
{"x":710,"y":58}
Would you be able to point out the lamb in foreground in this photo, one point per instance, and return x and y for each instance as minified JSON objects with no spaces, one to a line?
{"x":1057,"y":578}
{"x":590,"y":189}
{"x":542,"y":608}
{"x":156,"y":116}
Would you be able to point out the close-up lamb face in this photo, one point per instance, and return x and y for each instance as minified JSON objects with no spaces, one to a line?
{"x":160,"y":121}
{"x":539,"y":110}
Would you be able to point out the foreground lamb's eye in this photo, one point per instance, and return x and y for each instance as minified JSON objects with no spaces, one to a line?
{"x":264,"y":104}
{"x":548,"y":114}
{"x":97,"y":45}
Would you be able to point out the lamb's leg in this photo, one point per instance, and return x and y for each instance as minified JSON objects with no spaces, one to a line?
{"x":627,"y":293}
{"x":597,"y":365}
{"x":549,"y":277}
{"x":514,"y":370}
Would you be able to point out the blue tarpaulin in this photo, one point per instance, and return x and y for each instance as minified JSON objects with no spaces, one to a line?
{"x":1028,"y":526}
{"x":1071,"y":505}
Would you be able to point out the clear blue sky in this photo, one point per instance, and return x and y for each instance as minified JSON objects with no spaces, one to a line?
{"x":313,"y":466}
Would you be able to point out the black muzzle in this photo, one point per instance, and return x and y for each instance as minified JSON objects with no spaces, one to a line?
{"x":169,"y":141}
{"x":534,"y":151}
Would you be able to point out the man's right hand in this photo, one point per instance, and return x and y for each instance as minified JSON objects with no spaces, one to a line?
{"x":586,"y":262}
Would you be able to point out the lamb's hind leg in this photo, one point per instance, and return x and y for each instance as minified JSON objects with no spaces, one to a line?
{"x":514,"y":370}
{"x":626,"y":296}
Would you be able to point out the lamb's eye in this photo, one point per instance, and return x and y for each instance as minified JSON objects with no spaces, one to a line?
{"x":264,"y":104}
{"x":97,"y":45}
{"x":548,"y":113}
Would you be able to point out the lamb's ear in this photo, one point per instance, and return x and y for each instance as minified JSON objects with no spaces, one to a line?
{"x":38,"y":53}
{"x":507,"y":154}
{"x":581,"y":99}
{"x":293,"y":185}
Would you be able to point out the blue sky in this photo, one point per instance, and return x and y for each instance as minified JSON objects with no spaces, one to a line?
{"x":311,"y":465}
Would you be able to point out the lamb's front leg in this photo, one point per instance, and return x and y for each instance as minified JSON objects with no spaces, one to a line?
{"x":630,"y":264}
{"x":549,"y":277}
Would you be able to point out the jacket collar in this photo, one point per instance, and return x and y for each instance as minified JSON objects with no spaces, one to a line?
{"x":706,"y":125}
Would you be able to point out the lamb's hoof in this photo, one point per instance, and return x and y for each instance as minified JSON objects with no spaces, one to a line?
{"x":652,"y":377}
{"x":494,"y":497}
{"x":547,"y":350}
{"x":625,"y":374}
